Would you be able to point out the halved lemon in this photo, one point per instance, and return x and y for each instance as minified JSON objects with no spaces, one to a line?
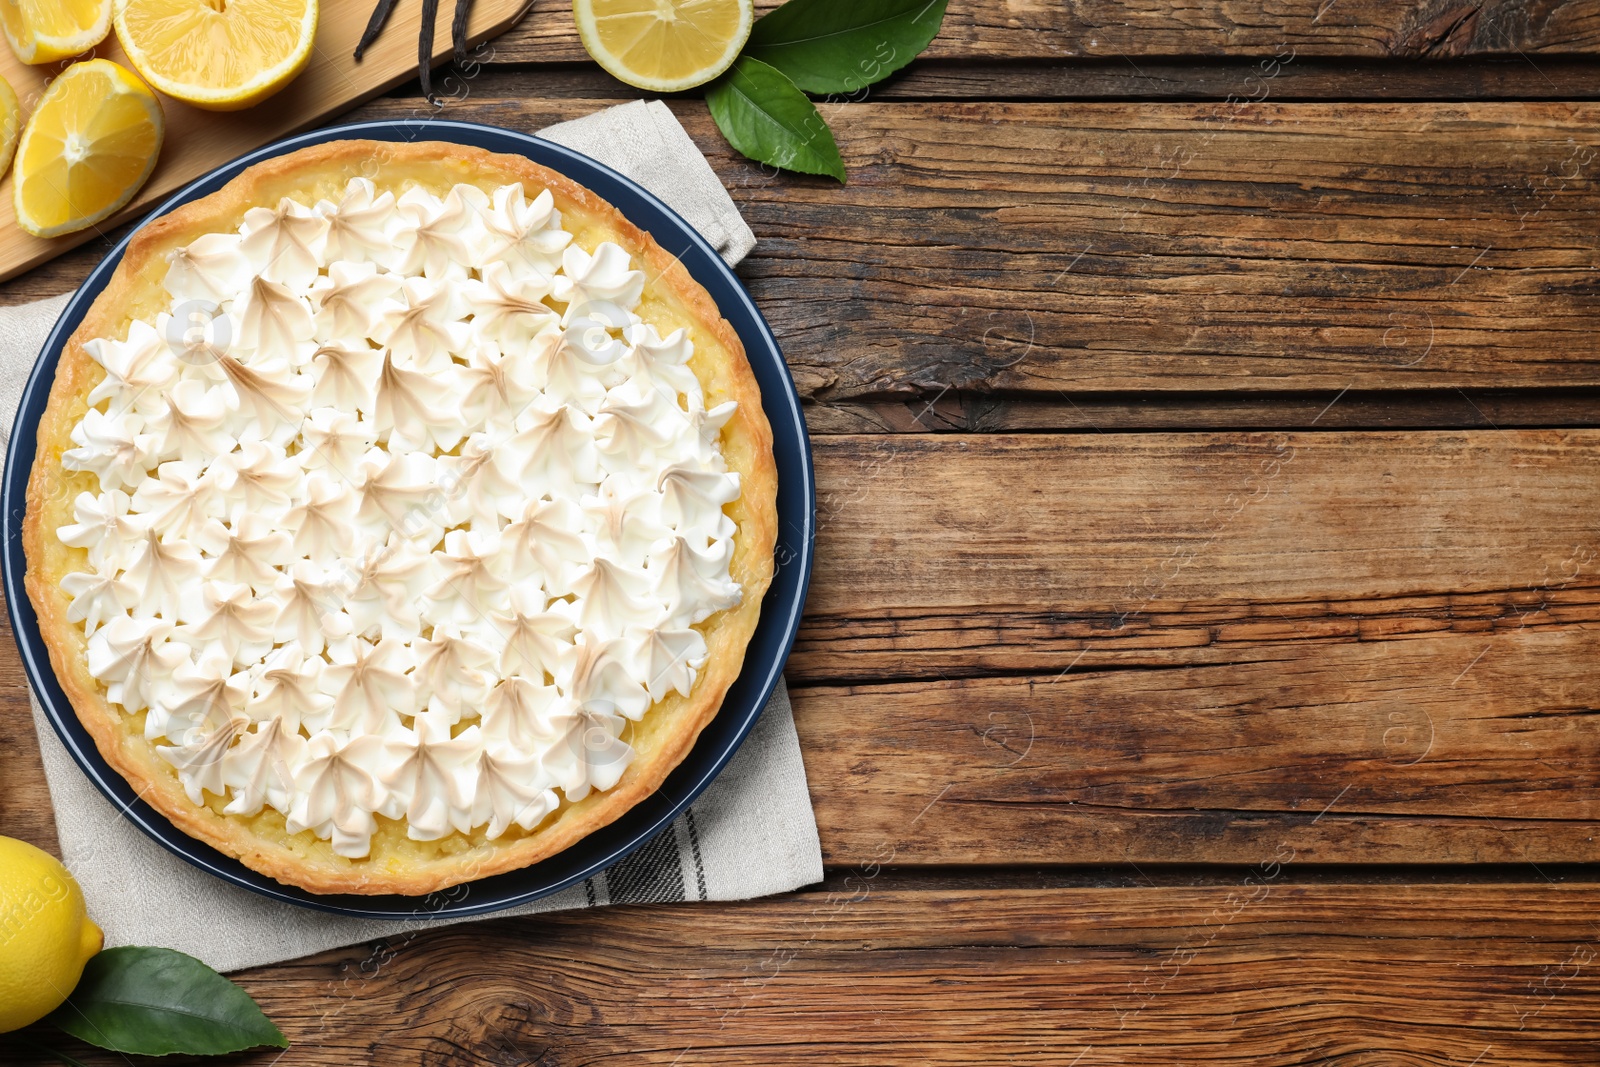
{"x":664,"y":45}
{"x":43,"y":31}
{"x":88,"y":147}
{"x":221,"y":55}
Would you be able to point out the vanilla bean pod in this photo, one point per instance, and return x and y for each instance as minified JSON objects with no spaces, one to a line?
{"x":430,"y":14}
{"x":380,"y":15}
{"x":458,"y":29}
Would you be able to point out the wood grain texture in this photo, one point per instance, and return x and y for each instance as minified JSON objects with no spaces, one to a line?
{"x":1180,"y":647}
{"x":1307,"y":77}
{"x":1262,"y":972}
{"x":198,"y":140}
{"x":1041,"y":29}
{"x":960,"y":411}
{"x":1053,"y":251}
{"x":1115,"y":539}
{"x":1442,"y":750}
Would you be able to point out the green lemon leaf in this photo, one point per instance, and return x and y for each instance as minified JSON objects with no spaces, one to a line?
{"x":154,"y":1002}
{"x":842,"y":46}
{"x":763,"y":115}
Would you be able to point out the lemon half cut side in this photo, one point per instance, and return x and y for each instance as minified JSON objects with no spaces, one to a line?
{"x":221,"y":55}
{"x":88,"y":147}
{"x":664,"y":45}
{"x":43,"y":31}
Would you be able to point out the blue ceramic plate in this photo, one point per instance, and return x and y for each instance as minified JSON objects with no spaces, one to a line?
{"x":780,"y":614}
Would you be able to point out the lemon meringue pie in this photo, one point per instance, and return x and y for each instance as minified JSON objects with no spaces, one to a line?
{"x":400,"y":516}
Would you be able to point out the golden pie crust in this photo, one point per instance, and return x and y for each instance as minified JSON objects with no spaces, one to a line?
{"x":661,"y":739}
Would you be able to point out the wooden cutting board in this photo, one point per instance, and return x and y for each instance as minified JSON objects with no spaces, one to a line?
{"x":199,"y":140}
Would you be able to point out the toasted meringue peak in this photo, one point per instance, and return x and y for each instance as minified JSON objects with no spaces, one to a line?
{"x":596,"y":673}
{"x":164,"y":576}
{"x":259,"y":770}
{"x":104,"y":527}
{"x":266,"y":391}
{"x":451,"y":671}
{"x":368,"y":684}
{"x":97,"y":597}
{"x":515,"y":713}
{"x":334,"y":441}
{"x":138,"y":370}
{"x":199,"y":759}
{"x":112,"y":448}
{"x":347,"y":376}
{"x":286,"y":243}
{"x":543,"y":544}
{"x":361,"y":225}
{"x":604,"y":277}
{"x":495,"y":386}
{"x":671,"y":658}
{"x":247,"y":553}
{"x":513,"y":790}
{"x":610,"y":599}
{"x":693,"y":585}
{"x":431,"y":777}
{"x":438,"y":238}
{"x":205,"y":694}
{"x":477,"y":483}
{"x":323,"y":520}
{"x":259,"y":476}
{"x":526,"y":235}
{"x":346,"y":298}
{"x":469,"y":584}
{"x":535,"y":640}
{"x":399,"y":491}
{"x":381,"y":588}
{"x":211,"y":267}
{"x":509,"y":309}
{"x":177,"y":502}
{"x":131,"y":655}
{"x":232,"y":618}
{"x":555,"y":450}
{"x":306,"y":598}
{"x":193,"y":427}
{"x":422,"y":324}
{"x":336,"y":790}
{"x":586,"y":751}
{"x":413,"y":410}
{"x":288,"y":689}
{"x":272,"y":318}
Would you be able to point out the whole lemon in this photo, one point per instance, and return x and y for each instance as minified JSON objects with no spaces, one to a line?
{"x":45,"y":938}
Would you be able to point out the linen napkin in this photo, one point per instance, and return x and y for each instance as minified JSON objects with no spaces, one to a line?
{"x":750,"y":834}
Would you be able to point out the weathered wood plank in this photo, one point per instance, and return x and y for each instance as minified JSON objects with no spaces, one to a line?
{"x":1215,"y":635}
{"x":1055,"y":250}
{"x":1468,"y":749}
{"x":1120,"y":28}
{"x":956,"y":411}
{"x":1113,"y":525}
{"x":1305,"y":78}
{"x":1009,"y":249}
{"x":1267,"y":973}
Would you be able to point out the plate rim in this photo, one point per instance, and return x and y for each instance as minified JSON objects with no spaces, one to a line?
{"x":780,"y":611}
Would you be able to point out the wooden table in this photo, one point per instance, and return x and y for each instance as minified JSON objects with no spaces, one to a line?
{"x":1201,"y":662}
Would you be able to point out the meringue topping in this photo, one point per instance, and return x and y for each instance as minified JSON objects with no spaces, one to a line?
{"x":403,"y":512}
